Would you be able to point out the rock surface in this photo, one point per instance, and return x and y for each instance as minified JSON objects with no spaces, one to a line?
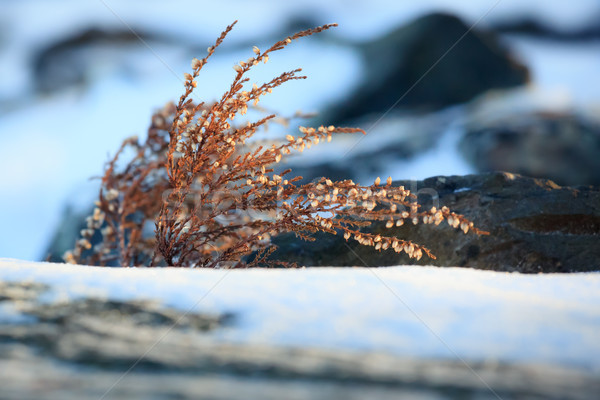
{"x":430,"y":63}
{"x":563,"y":147}
{"x":94,"y":348}
{"x":535,"y":226}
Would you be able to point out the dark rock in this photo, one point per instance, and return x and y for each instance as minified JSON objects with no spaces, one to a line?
{"x":394,"y":139}
{"x":65,"y":235}
{"x":73,"y":60}
{"x":531,"y":26}
{"x":562,"y":147}
{"x":354,"y":166}
{"x":433,"y":62}
{"x":535,"y":226}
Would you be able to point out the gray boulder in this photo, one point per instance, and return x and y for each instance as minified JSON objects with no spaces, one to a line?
{"x":561,"y":146}
{"x":433,"y":62}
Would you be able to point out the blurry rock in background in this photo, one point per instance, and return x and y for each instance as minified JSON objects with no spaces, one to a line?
{"x":83,"y":56}
{"x":519,"y":134}
{"x":391,"y":142}
{"x":65,"y":235}
{"x":78,"y":59}
{"x":419,"y":66}
{"x":72,"y":221}
{"x":531,"y":26}
{"x":433,"y":62}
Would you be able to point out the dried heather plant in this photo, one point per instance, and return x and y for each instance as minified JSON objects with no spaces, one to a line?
{"x":214,"y":199}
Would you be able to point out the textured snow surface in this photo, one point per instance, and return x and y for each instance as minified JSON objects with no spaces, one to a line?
{"x":425,"y":312}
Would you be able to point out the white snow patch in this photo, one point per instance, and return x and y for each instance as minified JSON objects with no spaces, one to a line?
{"x":424,"y":312}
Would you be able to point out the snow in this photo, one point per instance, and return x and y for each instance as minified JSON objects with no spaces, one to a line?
{"x":425,"y":312}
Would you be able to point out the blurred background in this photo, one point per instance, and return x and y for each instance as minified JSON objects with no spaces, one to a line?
{"x":444,"y":87}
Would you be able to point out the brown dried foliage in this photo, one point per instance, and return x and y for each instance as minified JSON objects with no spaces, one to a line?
{"x":214,"y":199}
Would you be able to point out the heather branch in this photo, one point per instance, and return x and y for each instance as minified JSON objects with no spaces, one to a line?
{"x":215,"y":199}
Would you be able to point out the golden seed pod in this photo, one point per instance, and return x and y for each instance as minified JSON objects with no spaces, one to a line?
{"x":196,"y":63}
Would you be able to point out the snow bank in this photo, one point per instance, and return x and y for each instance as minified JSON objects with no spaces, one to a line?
{"x":424,"y":312}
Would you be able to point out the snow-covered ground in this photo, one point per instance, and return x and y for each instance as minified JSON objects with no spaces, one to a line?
{"x":423,"y":312}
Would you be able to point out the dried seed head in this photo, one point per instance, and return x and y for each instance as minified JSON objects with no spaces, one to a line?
{"x":256,"y":50}
{"x":98,"y":214}
{"x":237,"y":68}
{"x":69,"y":257}
{"x":111,"y":194}
{"x":465,"y":227}
{"x":84,"y":243}
{"x":196,"y":63}
{"x":418,"y":254}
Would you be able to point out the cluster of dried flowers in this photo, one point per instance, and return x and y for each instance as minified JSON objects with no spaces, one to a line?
{"x":213,"y":199}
